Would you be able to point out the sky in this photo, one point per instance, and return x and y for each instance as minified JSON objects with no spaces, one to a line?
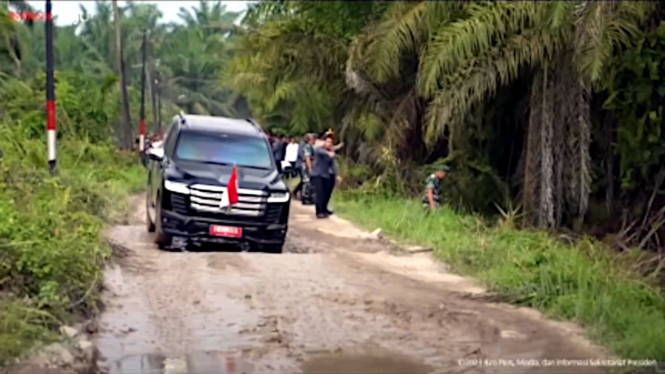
{"x":68,"y":12}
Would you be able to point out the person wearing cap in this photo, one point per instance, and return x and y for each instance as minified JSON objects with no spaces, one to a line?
{"x":433,"y":188}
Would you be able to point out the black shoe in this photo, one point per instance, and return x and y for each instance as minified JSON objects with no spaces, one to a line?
{"x":320,"y":216}
{"x":328,"y":212}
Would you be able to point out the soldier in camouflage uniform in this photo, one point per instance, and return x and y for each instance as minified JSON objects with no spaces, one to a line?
{"x":433,"y":189}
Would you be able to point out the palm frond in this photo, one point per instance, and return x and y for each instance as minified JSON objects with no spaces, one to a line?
{"x":487,"y":25}
{"x":604,"y":27}
{"x":481,"y":80}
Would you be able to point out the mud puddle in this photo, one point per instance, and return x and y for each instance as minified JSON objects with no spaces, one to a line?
{"x":350,"y":362}
{"x":198,"y":362}
{"x":373,"y":362}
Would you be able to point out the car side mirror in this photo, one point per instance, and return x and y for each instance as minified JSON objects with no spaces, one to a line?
{"x":156,"y":154}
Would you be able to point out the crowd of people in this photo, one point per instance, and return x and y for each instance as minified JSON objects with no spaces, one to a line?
{"x":313,"y":160}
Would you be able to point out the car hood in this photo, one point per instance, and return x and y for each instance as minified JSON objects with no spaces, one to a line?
{"x":212,"y":174}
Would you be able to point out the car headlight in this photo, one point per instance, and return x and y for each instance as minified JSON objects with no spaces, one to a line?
{"x":176,"y":187}
{"x":278,"y":197}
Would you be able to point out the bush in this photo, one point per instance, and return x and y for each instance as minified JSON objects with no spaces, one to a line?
{"x":51,"y":249}
{"x":470,"y":186}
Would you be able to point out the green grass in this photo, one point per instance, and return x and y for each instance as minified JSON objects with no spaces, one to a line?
{"x":51,"y":249}
{"x":584,"y":283}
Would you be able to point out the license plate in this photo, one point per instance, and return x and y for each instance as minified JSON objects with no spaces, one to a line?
{"x":226,"y":231}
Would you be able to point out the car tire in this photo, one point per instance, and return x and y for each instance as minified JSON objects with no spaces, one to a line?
{"x":162,"y":239}
{"x":150,"y":224}
{"x":274,"y":248}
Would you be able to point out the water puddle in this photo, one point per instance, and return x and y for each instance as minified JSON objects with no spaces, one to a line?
{"x":378,"y":362}
{"x":198,"y":362}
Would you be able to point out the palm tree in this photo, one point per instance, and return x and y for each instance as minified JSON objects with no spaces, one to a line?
{"x":289,"y":61}
{"x":466,"y":52}
{"x":193,"y":57}
{"x":10,"y":46}
{"x":212,"y":19}
{"x":128,"y":136}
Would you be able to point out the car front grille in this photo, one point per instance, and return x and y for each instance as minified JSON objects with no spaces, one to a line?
{"x":205,"y":198}
{"x":179,"y":203}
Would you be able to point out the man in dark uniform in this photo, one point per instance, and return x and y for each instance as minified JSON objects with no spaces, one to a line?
{"x":323,"y":176}
{"x":278,"y":151}
{"x":433,"y":188}
{"x":308,"y":191}
{"x":297,"y":192}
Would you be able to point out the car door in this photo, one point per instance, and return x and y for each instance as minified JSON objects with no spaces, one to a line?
{"x":158,"y":172}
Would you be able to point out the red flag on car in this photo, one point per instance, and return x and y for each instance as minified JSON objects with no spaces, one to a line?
{"x":233,"y":187}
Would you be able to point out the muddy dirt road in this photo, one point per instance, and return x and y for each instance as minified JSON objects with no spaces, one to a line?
{"x":335,"y":302}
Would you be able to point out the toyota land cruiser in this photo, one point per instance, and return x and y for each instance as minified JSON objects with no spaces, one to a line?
{"x":189,"y":178}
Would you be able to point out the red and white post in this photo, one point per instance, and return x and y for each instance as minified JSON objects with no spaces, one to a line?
{"x":50,"y":91}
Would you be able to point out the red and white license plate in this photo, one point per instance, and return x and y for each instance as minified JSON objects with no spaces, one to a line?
{"x":226,"y":231}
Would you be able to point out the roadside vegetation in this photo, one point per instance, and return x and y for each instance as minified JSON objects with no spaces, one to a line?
{"x":51,"y":249}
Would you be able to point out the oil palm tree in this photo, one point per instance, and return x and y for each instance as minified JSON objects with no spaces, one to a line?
{"x":466,"y":52}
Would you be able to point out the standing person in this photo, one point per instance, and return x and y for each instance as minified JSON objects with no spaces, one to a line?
{"x":335,"y":177}
{"x":278,"y":151}
{"x":323,"y":176}
{"x":300,"y":169}
{"x":433,"y":188}
{"x":291,"y":156}
{"x":308,"y":189}
{"x":285,"y":143}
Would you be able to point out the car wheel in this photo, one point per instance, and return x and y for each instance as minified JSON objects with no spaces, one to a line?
{"x":150,"y":224}
{"x":274,"y":248}
{"x":162,"y":239}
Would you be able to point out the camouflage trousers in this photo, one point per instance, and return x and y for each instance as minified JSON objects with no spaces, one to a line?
{"x":307,"y":194}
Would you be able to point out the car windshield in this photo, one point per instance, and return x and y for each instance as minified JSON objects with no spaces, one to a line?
{"x":224,"y":149}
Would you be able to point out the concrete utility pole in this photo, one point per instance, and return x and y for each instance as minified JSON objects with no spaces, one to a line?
{"x":50,"y":91}
{"x":127,"y":135}
{"x":152,"y":89}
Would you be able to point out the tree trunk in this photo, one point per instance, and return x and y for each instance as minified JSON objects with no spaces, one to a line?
{"x":546,"y":211}
{"x":557,"y":172}
{"x":128,"y":136}
{"x":532,"y":154}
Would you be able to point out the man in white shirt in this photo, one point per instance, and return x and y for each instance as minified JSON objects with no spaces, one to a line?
{"x":291,"y":155}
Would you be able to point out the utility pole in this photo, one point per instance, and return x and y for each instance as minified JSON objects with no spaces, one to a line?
{"x":50,"y":91}
{"x":152,"y":74}
{"x":127,"y":138}
{"x":142,"y":136}
{"x":159,"y":103}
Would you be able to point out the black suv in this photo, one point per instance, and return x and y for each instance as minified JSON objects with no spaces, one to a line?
{"x":188,"y":179}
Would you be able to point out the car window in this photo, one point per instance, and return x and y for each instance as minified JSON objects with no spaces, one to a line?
{"x":226,"y":149}
{"x":169,"y":142}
